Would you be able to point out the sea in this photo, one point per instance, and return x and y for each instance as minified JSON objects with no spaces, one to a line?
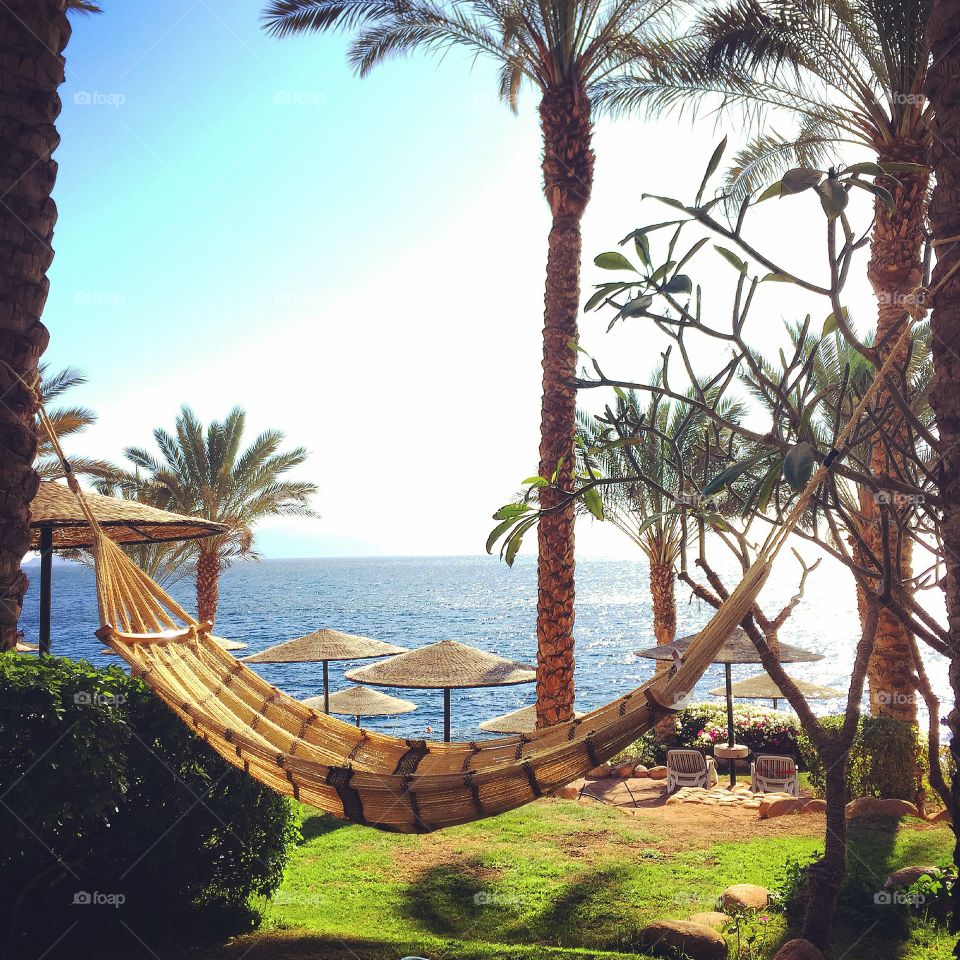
{"x":413,"y":601}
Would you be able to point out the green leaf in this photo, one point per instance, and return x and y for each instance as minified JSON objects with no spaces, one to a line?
{"x":690,"y":253}
{"x":669,"y":201}
{"x":613,"y":261}
{"x":731,"y":258}
{"x":679,"y":283}
{"x":772,"y":191}
{"x":798,"y":180}
{"x":593,"y":502}
{"x":536,"y":482}
{"x":830,"y":325}
{"x":712,"y":166}
{"x":636,"y":306}
{"x":512,"y":511}
{"x":732,"y":473}
{"x":498,"y":531}
{"x":778,"y":278}
{"x":905,"y":167}
{"x":834,"y":197}
{"x":885,"y":195}
{"x":866,"y":168}
{"x":798,"y":465}
{"x":661,"y":272}
{"x":642,"y":244}
{"x":602,"y":293}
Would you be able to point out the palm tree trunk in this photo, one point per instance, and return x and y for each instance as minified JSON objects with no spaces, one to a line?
{"x":33,"y":34}
{"x":567,"y":179}
{"x":943,"y":90}
{"x":664,"y":602}
{"x":896,"y":273}
{"x":208,"y":585}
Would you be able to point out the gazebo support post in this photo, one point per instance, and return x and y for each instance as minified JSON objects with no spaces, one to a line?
{"x":358,"y":718}
{"x":446,"y":714}
{"x":728,"y":675}
{"x":46,"y":586}
{"x":326,"y":688}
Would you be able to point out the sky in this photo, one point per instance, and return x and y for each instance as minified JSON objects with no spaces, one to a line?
{"x":358,"y":263}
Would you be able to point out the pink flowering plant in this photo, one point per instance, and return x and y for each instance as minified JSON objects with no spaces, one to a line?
{"x":703,"y":726}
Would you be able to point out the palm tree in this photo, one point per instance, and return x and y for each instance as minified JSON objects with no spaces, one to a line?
{"x":34,"y":34}
{"x":206,"y":473}
{"x":666,"y":455}
{"x":66,"y":422}
{"x":850,"y":72}
{"x":562,"y":48}
{"x":943,"y":88}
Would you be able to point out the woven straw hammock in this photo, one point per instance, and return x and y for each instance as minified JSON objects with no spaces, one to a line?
{"x":409,"y":786}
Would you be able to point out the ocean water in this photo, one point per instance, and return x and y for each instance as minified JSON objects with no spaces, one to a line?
{"x":412,"y":601}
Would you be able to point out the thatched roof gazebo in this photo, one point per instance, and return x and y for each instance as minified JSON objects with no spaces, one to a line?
{"x":447,"y":665}
{"x":361,"y":702}
{"x":322,"y":646}
{"x":57,"y":523}
{"x":523,"y":720}
{"x":763,"y":687}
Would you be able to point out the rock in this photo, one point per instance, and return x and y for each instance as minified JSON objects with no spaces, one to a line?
{"x":710,"y":918}
{"x":874,"y":807}
{"x":598,"y":773}
{"x":744,"y":896}
{"x":906,"y":876}
{"x":569,"y":792}
{"x":798,"y":950}
{"x":815,"y":805}
{"x":676,"y":939}
{"x":641,"y":771}
{"x":780,"y":807}
{"x":657,"y":773}
{"x":624,"y":770}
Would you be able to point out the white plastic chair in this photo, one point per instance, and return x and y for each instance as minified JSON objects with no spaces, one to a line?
{"x":689,"y":768}
{"x":772,"y":774}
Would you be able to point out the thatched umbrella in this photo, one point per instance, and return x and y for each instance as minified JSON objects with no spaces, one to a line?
{"x":361,"y":702}
{"x":523,"y":720}
{"x":737,"y":648}
{"x":447,"y":665}
{"x":322,"y":646}
{"x":763,"y":687}
{"x":58,"y":523}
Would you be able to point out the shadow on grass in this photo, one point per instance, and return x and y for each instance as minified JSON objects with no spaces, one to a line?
{"x":317,"y":825}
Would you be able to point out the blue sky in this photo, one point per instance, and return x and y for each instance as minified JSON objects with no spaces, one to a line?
{"x":357,"y":262}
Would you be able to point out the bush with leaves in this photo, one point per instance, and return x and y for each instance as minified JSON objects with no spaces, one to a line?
{"x":112,"y":805}
{"x":884,"y":753}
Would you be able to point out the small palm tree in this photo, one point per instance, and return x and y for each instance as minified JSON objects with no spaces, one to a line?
{"x":561,"y":48}
{"x":665,"y":453}
{"x":207,"y":473}
{"x":66,"y":422}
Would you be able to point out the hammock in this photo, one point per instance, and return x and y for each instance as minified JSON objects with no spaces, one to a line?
{"x":409,"y":786}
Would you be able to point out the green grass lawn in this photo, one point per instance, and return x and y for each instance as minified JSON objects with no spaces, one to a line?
{"x":560,"y":878}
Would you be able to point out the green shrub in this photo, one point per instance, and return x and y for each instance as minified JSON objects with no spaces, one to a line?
{"x":884,"y":755}
{"x":702,"y":725}
{"x":116,"y":816}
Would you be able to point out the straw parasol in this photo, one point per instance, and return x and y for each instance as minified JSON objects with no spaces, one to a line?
{"x":322,"y":646}
{"x":523,"y":720}
{"x":737,"y":648}
{"x":763,"y":687}
{"x":361,"y":702}
{"x":447,"y":665}
{"x":57,"y":523}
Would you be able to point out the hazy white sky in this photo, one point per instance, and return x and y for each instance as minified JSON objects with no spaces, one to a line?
{"x":358,"y":263}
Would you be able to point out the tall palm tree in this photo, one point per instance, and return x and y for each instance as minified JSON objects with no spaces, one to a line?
{"x":849,"y":72}
{"x":207,"y":473}
{"x":66,"y":422}
{"x":666,"y":455}
{"x":562,"y":48}
{"x":33,"y":34}
{"x":943,"y":88}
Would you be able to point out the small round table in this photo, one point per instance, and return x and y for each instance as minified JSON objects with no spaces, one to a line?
{"x":732,"y":752}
